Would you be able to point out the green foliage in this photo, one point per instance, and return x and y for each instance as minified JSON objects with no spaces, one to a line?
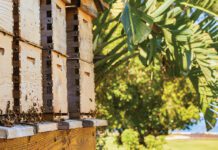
{"x":130,"y":139}
{"x":154,"y":143}
{"x":178,"y":35}
{"x":142,"y":99}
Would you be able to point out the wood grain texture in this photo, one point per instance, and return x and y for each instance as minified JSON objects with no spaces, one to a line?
{"x":6,"y":16}
{"x":31,"y":76}
{"x":76,"y":139}
{"x":30,"y":20}
{"x":6,"y":70}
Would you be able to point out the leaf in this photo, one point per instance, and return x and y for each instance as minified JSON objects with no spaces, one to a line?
{"x":204,"y":6}
{"x":136,"y":27}
{"x":166,"y":5}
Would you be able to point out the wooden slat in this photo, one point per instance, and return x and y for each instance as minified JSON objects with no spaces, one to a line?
{"x":76,"y":139}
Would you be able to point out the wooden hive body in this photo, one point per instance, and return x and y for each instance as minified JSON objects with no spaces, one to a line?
{"x":80,"y":67}
{"x":53,"y":25}
{"x":55,"y":82}
{"x":53,"y":40}
{"x":30,"y":77}
{"x":27,"y":56}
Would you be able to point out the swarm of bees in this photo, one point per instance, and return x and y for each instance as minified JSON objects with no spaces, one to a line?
{"x":32,"y":116}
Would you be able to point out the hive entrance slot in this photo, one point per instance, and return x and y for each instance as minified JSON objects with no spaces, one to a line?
{"x":87,"y":73}
{"x":59,"y":66}
{"x":2,"y":51}
{"x":31,"y":59}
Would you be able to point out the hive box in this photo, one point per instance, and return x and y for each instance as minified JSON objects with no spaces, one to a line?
{"x":55,"y":82}
{"x":6,"y":16}
{"x":6,"y":71}
{"x":81,"y":88}
{"x":80,"y":67}
{"x":30,"y":77}
{"x":53,"y":25}
{"x":79,"y":35}
{"x":29,"y":21}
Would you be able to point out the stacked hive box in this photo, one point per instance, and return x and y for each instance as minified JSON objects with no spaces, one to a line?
{"x":20,"y":62}
{"x":53,"y":40}
{"x":27,"y":62}
{"x":6,"y":69}
{"x":80,"y":68}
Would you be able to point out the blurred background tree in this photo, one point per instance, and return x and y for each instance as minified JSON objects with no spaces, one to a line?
{"x":140,"y":98}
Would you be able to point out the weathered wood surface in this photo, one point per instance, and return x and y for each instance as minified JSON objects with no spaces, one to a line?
{"x":6,"y":70}
{"x":87,"y":88}
{"x":59,"y":26}
{"x":31,"y":77}
{"x":76,"y":139}
{"x":79,"y":35}
{"x":29,"y":11}
{"x":85,"y":37}
{"x":53,"y":25}
{"x":6,"y":15}
{"x":81,"y":88}
{"x":59,"y":77}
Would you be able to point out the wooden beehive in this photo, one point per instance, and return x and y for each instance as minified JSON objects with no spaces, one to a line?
{"x":53,"y":25}
{"x":6,"y":70}
{"x":55,"y":82}
{"x":27,"y":56}
{"x":53,"y":40}
{"x":80,"y":67}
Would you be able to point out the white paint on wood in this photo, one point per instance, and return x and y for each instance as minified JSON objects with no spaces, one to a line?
{"x":30,"y":20}
{"x":85,"y":36}
{"x":59,"y":26}
{"x":17,"y":131}
{"x":6,"y":15}
{"x":6,"y":70}
{"x":59,"y":77}
{"x":31,"y":76}
{"x":87,"y":88}
{"x":69,"y":124}
{"x":46,"y":127}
